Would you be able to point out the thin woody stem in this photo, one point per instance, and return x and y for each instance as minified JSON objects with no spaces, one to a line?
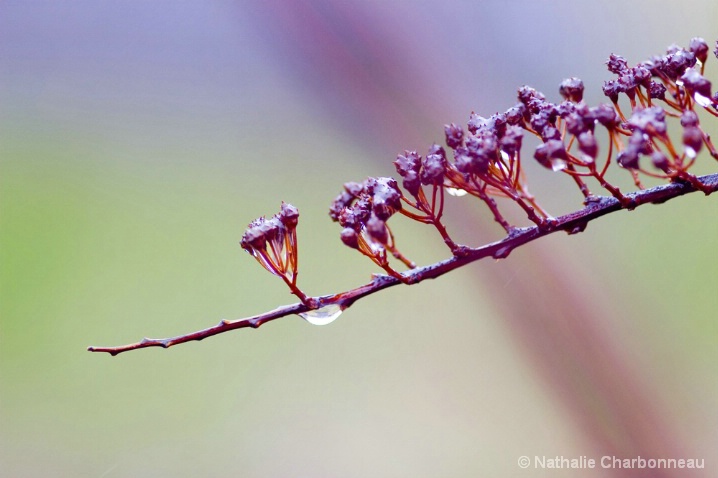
{"x":500,"y":249}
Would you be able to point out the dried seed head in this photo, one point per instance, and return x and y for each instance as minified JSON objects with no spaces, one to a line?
{"x":349,"y":218}
{"x":616,"y":64}
{"x":550,"y":132}
{"x":571,"y":89}
{"x":408,"y":166}
{"x":651,"y":121}
{"x":552,"y":155}
{"x":628,"y":158}
{"x":412,"y":183}
{"x":676,"y":62}
{"x":541,"y":155}
{"x":627,"y":83}
{"x":351,"y":191}
{"x":660,"y":161}
{"x":433,"y":167}
{"x":481,"y":150}
{"x":499,"y":123}
{"x":611,"y":88}
{"x":407,"y":163}
{"x":657,"y":90}
{"x":350,"y":237}
{"x":386,"y":197}
{"x":565,"y":108}
{"x":280,"y":258}
{"x":556,"y":150}
{"x":689,"y":118}
{"x":454,"y":135}
{"x":699,"y":48}
{"x":354,"y":189}
{"x":273,"y":228}
{"x":479,"y":123}
{"x":588,"y":145}
{"x":463,"y":160}
{"x":696,"y":84}
{"x":576,"y":125}
{"x":289,"y":215}
{"x":581,"y":119}
{"x":376,"y":228}
{"x":640,"y":143}
{"x":526,"y":94}
{"x":693,"y":140}
{"x":606,"y":115}
{"x":253,"y":237}
{"x":515,"y":114}
{"x":511,"y":140}
{"x":641,"y":75}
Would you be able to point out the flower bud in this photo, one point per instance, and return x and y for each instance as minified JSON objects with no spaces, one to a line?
{"x":696,"y":83}
{"x":628,"y":158}
{"x":660,"y":161}
{"x":571,"y":89}
{"x":656,"y":90}
{"x":350,"y":238}
{"x":699,"y":47}
{"x":454,"y":135}
{"x":616,"y":64}
{"x":588,"y":145}
{"x":289,"y":215}
{"x":693,"y":140}
{"x":408,"y":162}
{"x":376,"y":228}
{"x":433,"y":167}
{"x":689,"y":118}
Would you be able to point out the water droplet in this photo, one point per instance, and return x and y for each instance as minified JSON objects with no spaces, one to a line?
{"x":501,"y":165}
{"x":587,"y":159}
{"x":690,"y":152}
{"x":456,"y":192}
{"x":558,"y":165}
{"x":324,"y":315}
{"x":580,"y":227}
{"x":376,"y":248}
{"x":704,"y":101}
{"x":502,"y":252}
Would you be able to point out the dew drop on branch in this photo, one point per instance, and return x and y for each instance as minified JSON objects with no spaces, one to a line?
{"x":558,"y":165}
{"x":704,"y":101}
{"x":577,"y":228}
{"x":324,"y":315}
{"x":456,"y":192}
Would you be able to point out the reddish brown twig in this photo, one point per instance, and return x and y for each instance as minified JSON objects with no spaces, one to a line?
{"x":570,"y":223}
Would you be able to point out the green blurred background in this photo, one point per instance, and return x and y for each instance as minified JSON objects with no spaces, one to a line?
{"x":137,"y":139}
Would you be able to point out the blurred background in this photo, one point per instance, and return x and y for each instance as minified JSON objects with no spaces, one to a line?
{"x":137,"y":140}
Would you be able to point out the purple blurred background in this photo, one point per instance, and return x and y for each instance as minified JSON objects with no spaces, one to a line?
{"x":136,"y":141}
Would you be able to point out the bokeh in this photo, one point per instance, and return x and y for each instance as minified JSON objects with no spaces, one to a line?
{"x":137,"y":140}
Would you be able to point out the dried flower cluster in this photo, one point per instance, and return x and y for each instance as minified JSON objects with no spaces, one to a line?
{"x":273,"y":242}
{"x":487,"y":155}
{"x":485,"y":161}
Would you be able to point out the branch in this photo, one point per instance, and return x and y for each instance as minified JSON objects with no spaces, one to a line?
{"x":571,"y":223}
{"x":486,"y":163}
